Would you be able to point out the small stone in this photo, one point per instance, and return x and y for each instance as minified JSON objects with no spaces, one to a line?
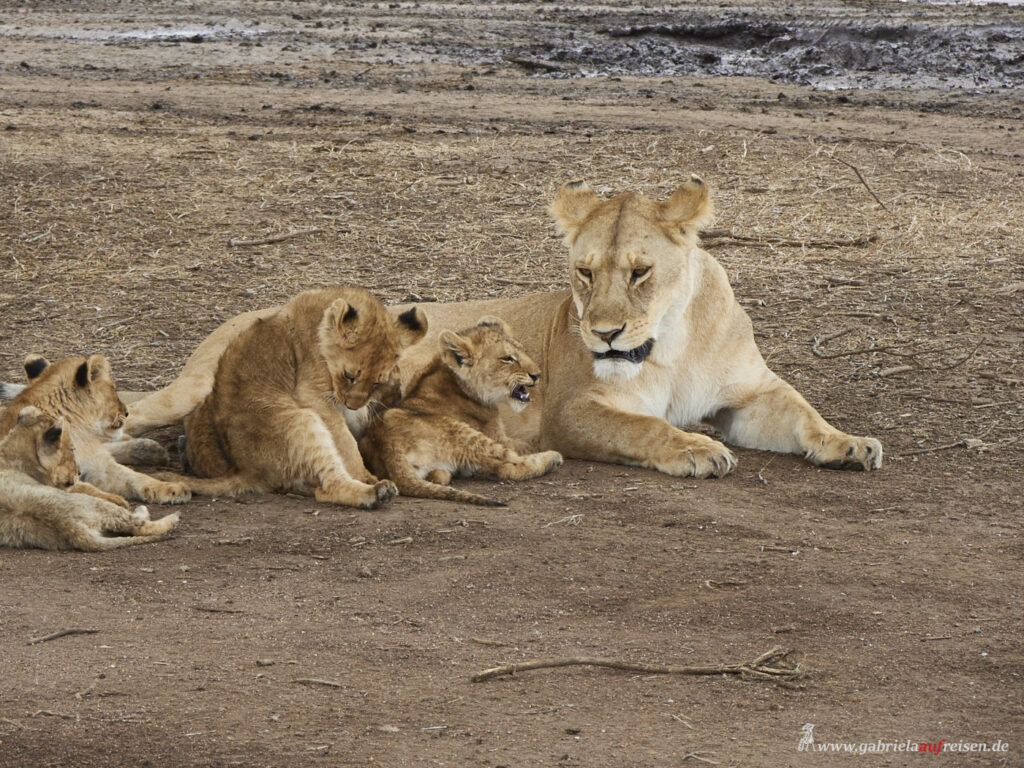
{"x":365,"y":573}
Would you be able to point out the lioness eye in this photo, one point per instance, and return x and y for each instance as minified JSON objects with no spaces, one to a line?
{"x":583,"y":272}
{"x":639,"y":272}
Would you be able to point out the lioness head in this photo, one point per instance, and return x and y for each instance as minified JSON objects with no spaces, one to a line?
{"x":360,"y":341}
{"x":80,"y":387}
{"x":629,"y":264}
{"x":43,"y":450}
{"x":491,"y":366}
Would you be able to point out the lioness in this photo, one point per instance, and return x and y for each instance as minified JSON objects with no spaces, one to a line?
{"x":273,"y":420}
{"x":648,"y":340}
{"x":37,"y":459}
{"x":82,"y":391}
{"x":448,"y":421}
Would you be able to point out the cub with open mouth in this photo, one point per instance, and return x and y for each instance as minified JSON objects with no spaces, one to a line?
{"x":449,"y":423}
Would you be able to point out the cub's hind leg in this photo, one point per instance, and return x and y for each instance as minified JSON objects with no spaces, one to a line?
{"x":475,"y":449}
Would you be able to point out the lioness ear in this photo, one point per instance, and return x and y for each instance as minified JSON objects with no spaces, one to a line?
{"x":29,"y":416}
{"x":495,"y":322}
{"x":35,"y":365}
{"x":574,"y":202}
{"x":690,"y":206}
{"x":51,"y":436}
{"x":412,"y":326}
{"x":456,"y":350}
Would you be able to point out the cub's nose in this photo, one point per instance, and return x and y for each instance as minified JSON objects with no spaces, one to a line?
{"x":607,"y":336}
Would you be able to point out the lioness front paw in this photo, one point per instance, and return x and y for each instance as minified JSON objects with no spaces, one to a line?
{"x":159,"y":492}
{"x":841,"y":451}
{"x":697,"y":457}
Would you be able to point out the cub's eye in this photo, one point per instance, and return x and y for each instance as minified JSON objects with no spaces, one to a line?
{"x":350,"y":377}
{"x":639,"y":272}
{"x":509,"y":359}
{"x":584,"y":273}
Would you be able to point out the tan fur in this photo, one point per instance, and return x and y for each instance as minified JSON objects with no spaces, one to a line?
{"x":703,"y":366}
{"x":449,"y":420}
{"x":276,"y":418}
{"x":36,"y":460}
{"x":82,"y":392}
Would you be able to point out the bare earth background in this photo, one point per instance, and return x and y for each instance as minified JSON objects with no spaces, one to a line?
{"x":423,"y":141}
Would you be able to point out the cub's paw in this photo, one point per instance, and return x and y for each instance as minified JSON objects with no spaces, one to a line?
{"x":842,"y":451}
{"x":550,"y":460}
{"x":159,"y":492}
{"x":385,"y":490}
{"x":140,"y":515}
{"x":696,"y":456}
{"x":439,"y":476}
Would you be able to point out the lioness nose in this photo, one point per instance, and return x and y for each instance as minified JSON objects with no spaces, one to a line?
{"x":609,"y":335}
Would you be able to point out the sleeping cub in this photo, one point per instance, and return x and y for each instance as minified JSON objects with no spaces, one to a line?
{"x":448,"y":421}
{"x":36,"y":461}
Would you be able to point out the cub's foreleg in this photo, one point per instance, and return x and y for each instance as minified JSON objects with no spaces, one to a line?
{"x":99,"y":468}
{"x":476,"y":450}
{"x":309,"y":450}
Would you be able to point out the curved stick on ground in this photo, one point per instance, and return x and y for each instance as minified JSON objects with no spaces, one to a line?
{"x":772,"y":665}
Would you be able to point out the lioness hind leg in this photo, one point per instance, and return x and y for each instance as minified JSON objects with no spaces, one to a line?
{"x":778,"y":418}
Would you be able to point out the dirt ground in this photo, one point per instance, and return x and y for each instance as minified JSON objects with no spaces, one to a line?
{"x":136,"y":143}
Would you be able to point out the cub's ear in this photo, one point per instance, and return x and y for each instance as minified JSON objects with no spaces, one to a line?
{"x":456,"y":350}
{"x":690,"y":207}
{"x":412,"y":326}
{"x":343,"y":316}
{"x":574,"y":202}
{"x":93,"y":369}
{"x":51,"y":437}
{"x":29,"y":416}
{"x":35,"y":365}
{"x":491,"y":321}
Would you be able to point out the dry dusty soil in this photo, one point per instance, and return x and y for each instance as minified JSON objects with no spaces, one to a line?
{"x":422,"y":142}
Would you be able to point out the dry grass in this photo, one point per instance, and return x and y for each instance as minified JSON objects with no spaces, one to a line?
{"x":117,"y":241}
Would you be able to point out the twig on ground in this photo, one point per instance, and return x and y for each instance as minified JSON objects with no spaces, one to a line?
{"x":543,"y":64}
{"x":863,"y":350}
{"x":772,"y":239}
{"x":570,"y":520}
{"x":696,"y":756}
{"x":933,"y":449}
{"x":236,"y":242}
{"x":761,"y":667}
{"x":317,"y":681}
{"x":50,"y":713}
{"x":959,"y":362}
{"x":893,"y":371}
{"x":862,"y":181}
{"x":214,"y":609}
{"x":62,"y":633}
{"x":483,"y":641}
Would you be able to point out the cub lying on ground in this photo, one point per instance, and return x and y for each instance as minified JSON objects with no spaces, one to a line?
{"x":36,"y":460}
{"x":274,"y":419}
{"x":449,"y":421}
{"x":82,"y":392}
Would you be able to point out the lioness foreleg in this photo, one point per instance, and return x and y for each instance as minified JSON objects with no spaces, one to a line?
{"x":778,"y":418}
{"x":589,"y":428}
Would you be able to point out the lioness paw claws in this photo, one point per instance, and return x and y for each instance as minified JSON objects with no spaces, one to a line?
{"x":846,"y":452}
{"x":166,"y":493}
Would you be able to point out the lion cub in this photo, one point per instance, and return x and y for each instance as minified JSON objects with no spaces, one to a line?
{"x":285,"y":391}
{"x":36,"y":461}
{"x":448,"y":421}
